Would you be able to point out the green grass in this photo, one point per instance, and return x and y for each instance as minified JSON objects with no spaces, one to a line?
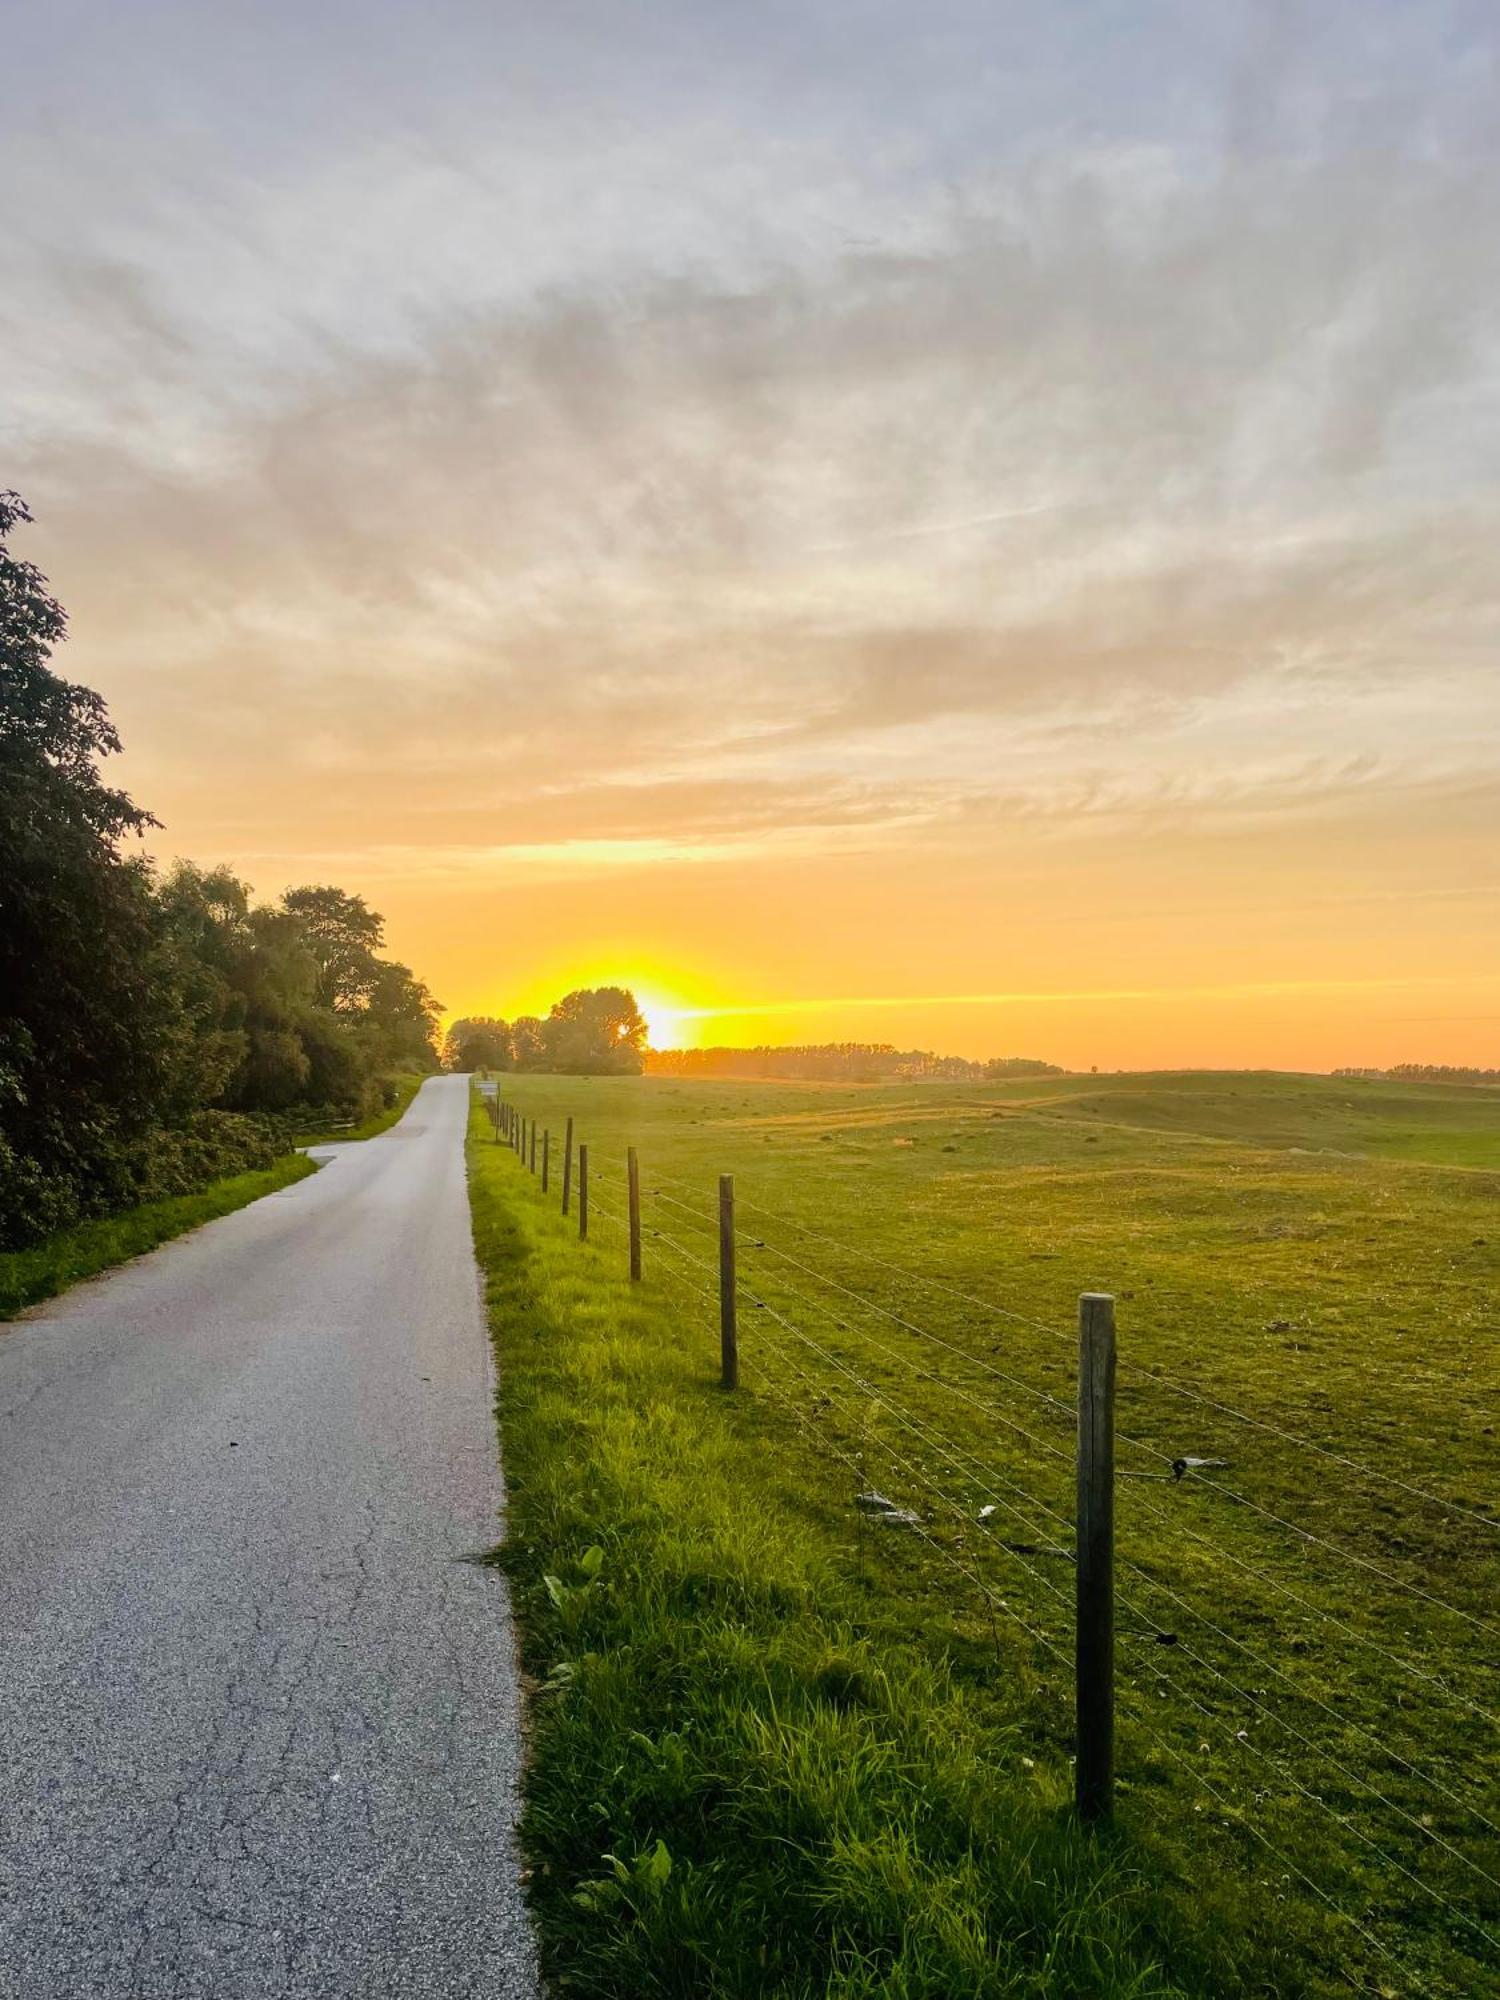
{"x":407,"y":1086}
{"x":1304,"y":1727}
{"x":28,"y":1276}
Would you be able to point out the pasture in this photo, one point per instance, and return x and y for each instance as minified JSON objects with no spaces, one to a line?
{"x":1305,"y":1279}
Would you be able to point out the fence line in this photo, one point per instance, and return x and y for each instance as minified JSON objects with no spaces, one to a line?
{"x":1156,"y":1376}
{"x":833,"y":1406}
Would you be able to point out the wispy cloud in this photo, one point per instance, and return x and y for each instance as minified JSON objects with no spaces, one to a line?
{"x":524,"y":447}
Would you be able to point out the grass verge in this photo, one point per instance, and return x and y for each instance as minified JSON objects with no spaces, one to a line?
{"x":751,"y":1772}
{"x":29,"y":1276}
{"x":407,"y":1086}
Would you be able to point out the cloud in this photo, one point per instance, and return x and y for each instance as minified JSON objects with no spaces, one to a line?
{"x":1009,"y":480}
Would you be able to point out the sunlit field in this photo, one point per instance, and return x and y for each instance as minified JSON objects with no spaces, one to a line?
{"x":1305,"y":1276}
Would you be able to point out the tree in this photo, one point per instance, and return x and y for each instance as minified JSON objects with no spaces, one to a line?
{"x":343,"y":934}
{"x":596,"y":1031}
{"x":528,"y":1042}
{"x":91,"y":1033}
{"x":140,"y":1020}
{"x":399,"y":1025}
{"x":478,"y":1042}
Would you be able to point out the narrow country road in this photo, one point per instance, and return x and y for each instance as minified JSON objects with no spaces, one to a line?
{"x":258,"y":1716}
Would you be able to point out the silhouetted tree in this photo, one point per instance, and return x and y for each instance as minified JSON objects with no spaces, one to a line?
{"x":528,"y":1042}
{"x":596,"y":1031}
{"x":343,"y":934}
{"x":90,"y":1046}
{"x":137,"y":1019}
{"x":477,"y":1042}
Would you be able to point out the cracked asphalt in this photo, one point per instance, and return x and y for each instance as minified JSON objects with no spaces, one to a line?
{"x":258,"y":1716}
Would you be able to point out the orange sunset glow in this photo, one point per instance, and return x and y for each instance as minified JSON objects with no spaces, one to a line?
{"x":1028,"y":589}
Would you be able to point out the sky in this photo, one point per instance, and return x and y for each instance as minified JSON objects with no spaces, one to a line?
{"x":970,"y":525}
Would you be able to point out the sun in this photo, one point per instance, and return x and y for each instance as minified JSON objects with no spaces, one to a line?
{"x":663,"y":1021}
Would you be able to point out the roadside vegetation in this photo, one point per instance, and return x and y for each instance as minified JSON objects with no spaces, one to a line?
{"x":396,"y":1093}
{"x":782,"y":1746}
{"x":158,"y":1032}
{"x":29,"y":1276}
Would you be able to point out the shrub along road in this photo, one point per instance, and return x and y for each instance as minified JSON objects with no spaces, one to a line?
{"x":259,"y":1733}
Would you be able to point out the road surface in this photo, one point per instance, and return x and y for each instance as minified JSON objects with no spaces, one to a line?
{"x":258,"y":1714}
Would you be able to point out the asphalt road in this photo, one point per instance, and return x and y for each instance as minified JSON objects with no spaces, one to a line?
{"x":258,"y":1716}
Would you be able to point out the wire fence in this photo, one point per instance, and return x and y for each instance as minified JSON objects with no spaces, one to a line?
{"x":1337,"y":1713}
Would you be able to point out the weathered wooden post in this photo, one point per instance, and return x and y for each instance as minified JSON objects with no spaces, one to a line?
{"x":546,"y":1156}
{"x":633,"y":1174}
{"x":1094,"y":1642}
{"x":567,"y":1164}
{"x":729,"y":1330}
{"x":583,"y":1192}
{"x":532,"y":1161}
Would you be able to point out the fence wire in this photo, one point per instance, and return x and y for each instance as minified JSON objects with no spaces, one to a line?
{"x":810,"y":1356}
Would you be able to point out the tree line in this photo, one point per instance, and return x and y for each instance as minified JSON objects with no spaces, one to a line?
{"x":841,"y":1062}
{"x":594,"y":1031}
{"x":156,"y":1030}
{"x":1424,"y":1073}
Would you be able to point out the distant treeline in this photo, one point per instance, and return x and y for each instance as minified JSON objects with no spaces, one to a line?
{"x":840,"y":1062}
{"x":156,"y":1032}
{"x":595,"y":1031}
{"x":1424,"y":1073}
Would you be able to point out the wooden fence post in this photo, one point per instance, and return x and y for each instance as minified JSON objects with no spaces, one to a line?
{"x":546,"y":1156}
{"x":583,"y":1192}
{"x":532,"y":1161}
{"x":729,"y":1329}
{"x":1094,"y":1643}
{"x":567,"y":1164}
{"x":633,"y":1174}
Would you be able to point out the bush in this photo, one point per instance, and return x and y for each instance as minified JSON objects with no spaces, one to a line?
{"x":114,"y":1172}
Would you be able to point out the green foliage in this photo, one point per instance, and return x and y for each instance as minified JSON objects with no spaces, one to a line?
{"x":342,"y":935}
{"x":478,"y":1042}
{"x":328,"y":1128}
{"x":94,"y":1042}
{"x":30,"y":1275}
{"x":137,"y":1015}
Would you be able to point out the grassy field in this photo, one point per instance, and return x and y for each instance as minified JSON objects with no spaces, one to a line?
{"x":853,"y":1739}
{"x":28,"y":1276}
